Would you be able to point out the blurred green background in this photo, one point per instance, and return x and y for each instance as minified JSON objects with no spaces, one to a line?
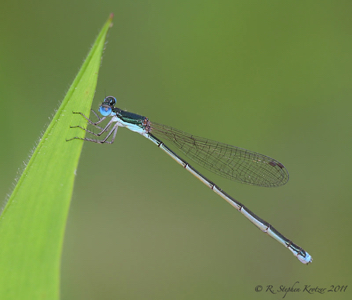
{"x":268,"y":76}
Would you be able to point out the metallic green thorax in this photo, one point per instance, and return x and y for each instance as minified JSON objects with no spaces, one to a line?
{"x":129,"y":117}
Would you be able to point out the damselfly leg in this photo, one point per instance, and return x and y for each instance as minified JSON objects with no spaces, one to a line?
{"x":112,"y":132}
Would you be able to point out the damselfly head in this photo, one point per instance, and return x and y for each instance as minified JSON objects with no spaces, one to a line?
{"x":106,"y":107}
{"x":109,"y":100}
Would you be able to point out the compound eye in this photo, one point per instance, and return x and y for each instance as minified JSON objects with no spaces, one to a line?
{"x":110,"y":100}
{"x":105,"y":110}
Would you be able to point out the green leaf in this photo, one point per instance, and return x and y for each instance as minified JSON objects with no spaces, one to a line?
{"x":32,"y":224}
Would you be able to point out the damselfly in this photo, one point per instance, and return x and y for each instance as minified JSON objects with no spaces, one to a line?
{"x":225,"y":160}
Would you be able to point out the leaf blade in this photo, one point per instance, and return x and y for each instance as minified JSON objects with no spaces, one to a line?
{"x":33,"y":222}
